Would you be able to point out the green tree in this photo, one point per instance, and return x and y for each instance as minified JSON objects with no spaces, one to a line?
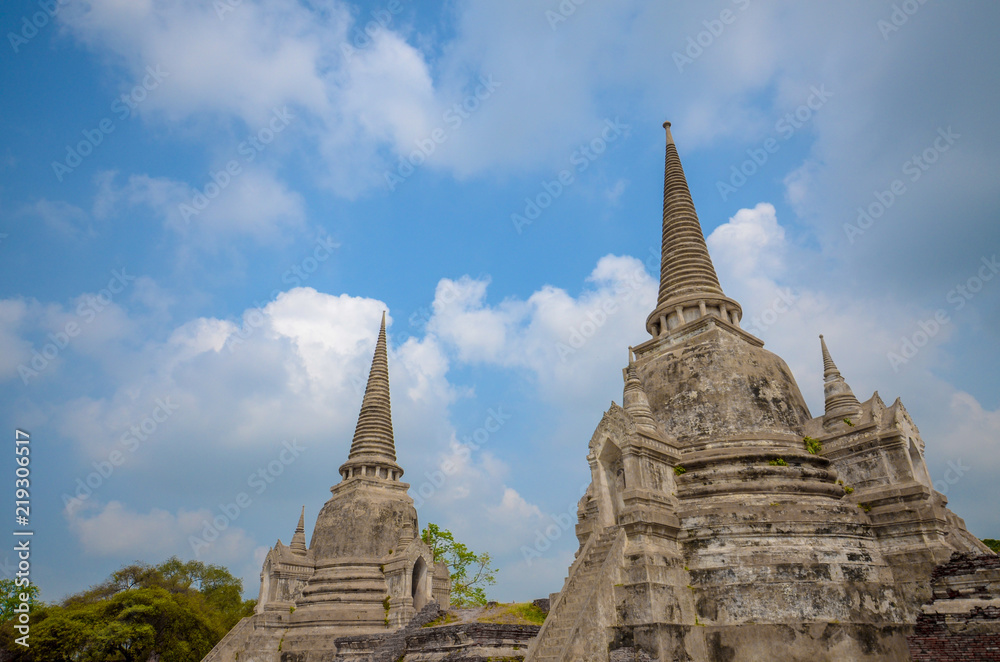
{"x":471,"y":573}
{"x":177,"y":610}
{"x":992,"y":544}
{"x":10,"y":598}
{"x":129,"y":627}
{"x":220,"y":589}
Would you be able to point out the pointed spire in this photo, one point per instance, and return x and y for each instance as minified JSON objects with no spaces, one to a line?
{"x":373,"y":446}
{"x":829,"y":367}
{"x":685,"y":265}
{"x":634,"y":399}
{"x":689,"y":286}
{"x":840,"y":400}
{"x":299,"y":539}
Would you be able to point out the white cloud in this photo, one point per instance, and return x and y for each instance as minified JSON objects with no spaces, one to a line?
{"x":361,"y":108}
{"x":62,"y":218}
{"x":564,"y":340}
{"x":461,"y":319}
{"x":615,"y":191}
{"x":349,"y":104}
{"x":253,"y":202}
{"x":14,"y":350}
{"x":973,"y":435}
{"x":113,"y":529}
{"x":244,"y":62}
{"x":751,"y":244}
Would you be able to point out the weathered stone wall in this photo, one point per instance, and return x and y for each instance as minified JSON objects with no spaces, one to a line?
{"x":461,"y":642}
{"x":962,"y":623}
{"x":469,"y":642}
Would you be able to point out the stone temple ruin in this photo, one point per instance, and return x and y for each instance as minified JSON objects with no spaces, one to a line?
{"x":723,"y":521}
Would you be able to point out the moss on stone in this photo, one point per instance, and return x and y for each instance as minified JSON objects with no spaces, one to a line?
{"x":443,"y":619}
{"x":513,"y":613}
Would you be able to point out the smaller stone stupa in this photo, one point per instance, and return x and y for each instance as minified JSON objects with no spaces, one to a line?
{"x":366,"y":570}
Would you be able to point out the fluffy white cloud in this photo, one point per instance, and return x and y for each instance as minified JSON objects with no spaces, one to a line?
{"x":62,"y":218}
{"x":14,"y":350}
{"x":461,"y":319}
{"x":366,"y":101}
{"x":269,"y":376}
{"x":562,"y":339}
{"x":975,"y":427}
{"x":115,"y":530}
{"x":252,"y":202}
{"x":245,"y":61}
{"x":751,"y":244}
{"x":261,"y":56}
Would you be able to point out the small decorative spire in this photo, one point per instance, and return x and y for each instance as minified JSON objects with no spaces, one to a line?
{"x":830,"y":370}
{"x":373,"y":450}
{"x":299,"y":539}
{"x":689,"y":286}
{"x":840,"y":400}
{"x":635,"y":401}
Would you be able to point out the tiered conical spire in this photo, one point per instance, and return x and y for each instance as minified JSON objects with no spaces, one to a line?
{"x":299,"y":539}
{"x":840,"y":400}
{"x":689,"y":286}
{"x":373,"y":446}
{"x":685,"y":265}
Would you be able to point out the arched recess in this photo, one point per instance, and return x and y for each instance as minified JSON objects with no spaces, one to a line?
{"x":612,"y":478}
{"x":266,"y":588}
{"x":419,"y":584}
{"x":919,"y":466}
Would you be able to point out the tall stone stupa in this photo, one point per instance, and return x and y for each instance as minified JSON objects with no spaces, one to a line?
{"x":724,"y":522}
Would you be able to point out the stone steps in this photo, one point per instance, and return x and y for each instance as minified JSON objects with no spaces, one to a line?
{"x":576,"y":593}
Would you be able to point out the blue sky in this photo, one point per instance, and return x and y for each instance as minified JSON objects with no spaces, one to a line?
{"x":204,"y":209}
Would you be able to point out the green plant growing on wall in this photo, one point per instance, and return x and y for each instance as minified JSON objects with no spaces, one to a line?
{"x":848,"y":421}
{"x":679,"y":470}
{"x":778,"y":462}
{"x":813,"y":445}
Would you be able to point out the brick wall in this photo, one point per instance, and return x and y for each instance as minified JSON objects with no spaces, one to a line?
{"x":962,"y":623}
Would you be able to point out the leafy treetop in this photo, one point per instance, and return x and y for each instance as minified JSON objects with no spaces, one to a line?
{"x":174,"y":611}
{"x":471,"y":573}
